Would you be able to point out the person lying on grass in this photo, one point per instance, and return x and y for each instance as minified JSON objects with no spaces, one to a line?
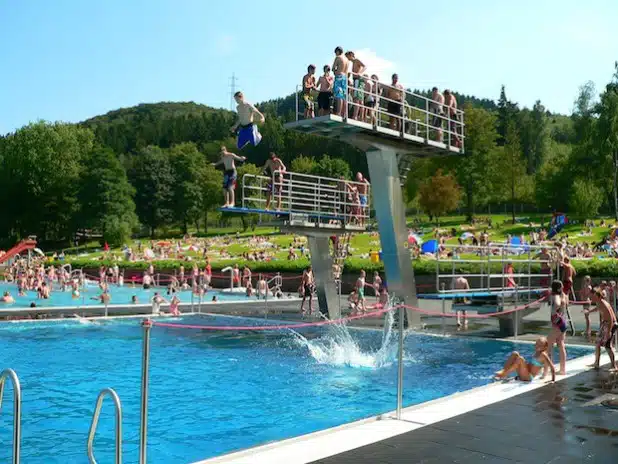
{"x":527,"y":371}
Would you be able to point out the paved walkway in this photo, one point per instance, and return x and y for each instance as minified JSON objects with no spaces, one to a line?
{"x":565,"y":422}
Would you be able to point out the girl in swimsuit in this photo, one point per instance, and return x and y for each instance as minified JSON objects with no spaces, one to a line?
{"x":527,"y":371}
{"x":558,"y":323}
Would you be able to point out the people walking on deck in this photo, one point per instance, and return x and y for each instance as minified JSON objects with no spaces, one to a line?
{"x":568,"y":273}
{"x":274,"y":169}
{"x":246,"y":277}
{"x":436,"y":107}
{"x":377,"y":283}
{"x":229,"y":175}
{"x":309,"y":87}
{"x":248,"y":117}
{"x":340,"y":84}
{"x":360,"y":291}
{"x":394,"y":106}
{"x":325,"y":91}
{"x":235,"y":276}
{"x":607,"y":329}
{"x":585,"y":296}
{"x":557,"y":336}
{"x":306,"y":284}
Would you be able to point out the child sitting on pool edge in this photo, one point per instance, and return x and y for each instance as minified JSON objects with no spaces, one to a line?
{"x":527,"y":371}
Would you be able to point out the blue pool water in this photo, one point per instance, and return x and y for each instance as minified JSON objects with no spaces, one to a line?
{"x":212,"y":393}
{"x":119,"y":296}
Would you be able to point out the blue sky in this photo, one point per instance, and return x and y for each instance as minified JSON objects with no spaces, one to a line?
{"x":72,"y":59}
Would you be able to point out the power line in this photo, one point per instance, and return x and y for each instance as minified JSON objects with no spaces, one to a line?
{"x":233,"y":80}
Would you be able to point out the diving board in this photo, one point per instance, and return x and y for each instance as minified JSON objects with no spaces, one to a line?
{"x":482,"y":294}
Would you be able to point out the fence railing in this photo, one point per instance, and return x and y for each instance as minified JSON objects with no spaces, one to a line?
{"x":402,"y":111}
{"x":307,"y":197}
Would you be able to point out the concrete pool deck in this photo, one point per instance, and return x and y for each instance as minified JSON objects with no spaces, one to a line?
{"x":535,"y":422}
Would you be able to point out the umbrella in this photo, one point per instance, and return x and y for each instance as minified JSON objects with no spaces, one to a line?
{"x":466,"y":235}
{"x":415,"y":238}
{"x":430,"y":247}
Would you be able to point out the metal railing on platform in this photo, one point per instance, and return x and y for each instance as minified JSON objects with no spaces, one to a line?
{"x":314,"y":199}
{"x":10,"y":374}
{"x":515,"y":260}
{"x":405,"y":113}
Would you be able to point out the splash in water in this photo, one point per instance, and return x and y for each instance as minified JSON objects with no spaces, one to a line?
{"x":337,"y":347}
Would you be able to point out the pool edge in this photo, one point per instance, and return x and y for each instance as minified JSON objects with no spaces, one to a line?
{"x":329,"y":442}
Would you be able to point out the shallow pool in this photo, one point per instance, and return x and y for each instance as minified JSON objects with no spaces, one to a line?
{"x":119,"y":296}
{"x":212,"y":393}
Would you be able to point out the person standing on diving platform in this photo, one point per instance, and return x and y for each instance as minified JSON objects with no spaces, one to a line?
{"x":274,"y":168}
{"x":229,"y":175}
{"x":248,"y":116}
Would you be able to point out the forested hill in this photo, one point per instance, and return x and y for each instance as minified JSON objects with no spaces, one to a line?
{"x":163,"y":124}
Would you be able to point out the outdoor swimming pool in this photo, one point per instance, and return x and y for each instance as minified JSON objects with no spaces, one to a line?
{"x":216,"y":392}
{"x":119,"y":296}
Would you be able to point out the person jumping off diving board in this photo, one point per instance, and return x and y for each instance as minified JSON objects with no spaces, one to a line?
{"x":248,"y":116}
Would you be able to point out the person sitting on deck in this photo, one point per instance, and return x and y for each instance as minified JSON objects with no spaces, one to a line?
{"x":229,"y":175}
{"x":527,"y":371}
{"x":247,"y":115}
{"x":353,"y":301}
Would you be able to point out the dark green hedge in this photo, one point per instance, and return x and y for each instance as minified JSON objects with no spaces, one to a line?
{"x":594,"y":268}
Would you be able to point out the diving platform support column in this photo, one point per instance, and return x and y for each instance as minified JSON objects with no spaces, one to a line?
{"x":391,"y":215}
{"x":322,"y":265}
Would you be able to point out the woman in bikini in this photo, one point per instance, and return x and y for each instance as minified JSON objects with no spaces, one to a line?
{"x":527,"y":371}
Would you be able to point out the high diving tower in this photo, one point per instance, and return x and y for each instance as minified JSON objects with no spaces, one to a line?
{"x":324,"y":209}
{"x":391,"y":141}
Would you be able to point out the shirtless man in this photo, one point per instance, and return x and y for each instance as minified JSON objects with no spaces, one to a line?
{"x":308,"y":87}
{"x":545,"y":257}
{"x":358,"y":94}
{"x":325,"y":89}
{"x":307,"y":288}
{"x":247,"y":116}
{"x":608,"y":328}
{"x":585,"y":295}
{"x":362,"y":187}
{"x":274,"y":168}
{"x":461,"y":283}
{"x":229,"y":175}
{"x":451,"y":105}
{"x":394,"y":105}
{"x":340,"y":84}
{"x":436,"y":107}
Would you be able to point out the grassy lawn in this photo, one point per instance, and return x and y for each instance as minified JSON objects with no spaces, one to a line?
{"x":235,"y":243}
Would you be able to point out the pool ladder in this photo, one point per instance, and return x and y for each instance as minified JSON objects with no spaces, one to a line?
{"x":95,"y":422}
{"x":10,"y":374}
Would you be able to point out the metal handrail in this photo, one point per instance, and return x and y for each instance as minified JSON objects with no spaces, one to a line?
{"x":95,"y":423}
{"x":305,"y":194}
{"x":10,"y":373}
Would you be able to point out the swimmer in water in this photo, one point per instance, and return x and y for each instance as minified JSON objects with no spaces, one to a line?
{"x":7,"y":298}
{"x":174,"y":306}
{"x":527,"y":371}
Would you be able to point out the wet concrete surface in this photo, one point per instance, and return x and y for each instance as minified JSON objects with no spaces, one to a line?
{"x":571,"y":421}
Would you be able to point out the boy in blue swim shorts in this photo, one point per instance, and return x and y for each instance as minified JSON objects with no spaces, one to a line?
{"x":340,"y":86}
{"x":248,"y":115}
{"x":229,"y":175}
